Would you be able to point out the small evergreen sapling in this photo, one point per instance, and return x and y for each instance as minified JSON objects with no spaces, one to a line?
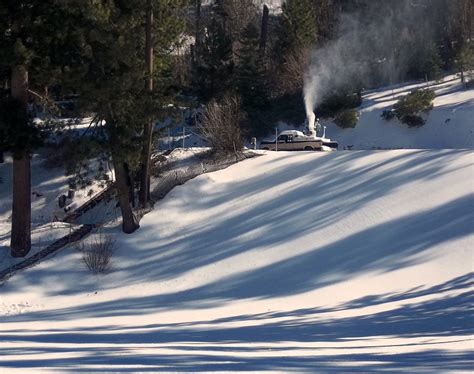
{"x":347,"y":118}
{"x":409,"y":109}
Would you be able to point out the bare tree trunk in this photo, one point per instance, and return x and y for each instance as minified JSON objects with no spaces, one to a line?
{"x":264,"y":29}
{"x":130,"y":184}
{"x":129,"y":223}
{"x":144,"y":195}
{"x":21,"y":209}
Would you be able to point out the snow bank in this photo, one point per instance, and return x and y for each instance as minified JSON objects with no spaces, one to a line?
{"x":340,"y":261}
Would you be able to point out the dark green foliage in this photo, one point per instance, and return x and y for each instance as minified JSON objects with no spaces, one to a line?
{"x":347,"y":119}
{"x":465,"y":57}
{"x":74,"y":152}
{"x":40,"y":35}
{"x":464,"y":62}
{"x":388,"y":115}
{"x":214,"y":71}
{"x":297,"y":28}
{"x":409,"y":109}
{"x":250,"y":71}
{"x":296,"y":36}
{"x":425,"y":62}
{"x":17,"y":132}
{"x":111,"y":75}
{"x":413,"y":120}
{"x":341,"y":100}
{"x":416,"y":102}
{"x":251,"y":81}
{"x":288,"y":108}
{"x":33,"y":34}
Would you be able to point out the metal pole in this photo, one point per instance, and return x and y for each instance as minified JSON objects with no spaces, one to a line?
{"x":276,"y":139}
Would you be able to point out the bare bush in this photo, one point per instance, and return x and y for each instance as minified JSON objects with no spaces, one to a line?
{"x":97,"y":255}
{"x":221,"y":125}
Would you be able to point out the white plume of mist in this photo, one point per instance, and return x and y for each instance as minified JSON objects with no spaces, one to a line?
{"x":361,"y":46}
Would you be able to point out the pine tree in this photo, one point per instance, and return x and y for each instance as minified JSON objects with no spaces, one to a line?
{"x":465,"y":61}
{"x":112,"y":81}
{"x":250,"y":70}
{"x":297,"y":28}
{"x":251,"y":81}
{"x":425,"y":61}
{"x":296,"y":35}
{"x":460,"y":35}
{"x":213,"y":74}
{"x":32,"y":39}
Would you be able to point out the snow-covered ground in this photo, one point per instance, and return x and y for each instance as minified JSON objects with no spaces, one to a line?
{"x":449,"y":125}
{"x":340,"y":261}
{"x":48,"y":184}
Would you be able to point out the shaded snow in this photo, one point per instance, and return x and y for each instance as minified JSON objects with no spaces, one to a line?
{"x":341,"y":261}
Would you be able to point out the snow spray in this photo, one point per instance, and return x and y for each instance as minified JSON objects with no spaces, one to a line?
{"x":361,"y":48}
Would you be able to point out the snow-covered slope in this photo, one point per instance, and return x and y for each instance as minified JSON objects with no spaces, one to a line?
{"x":342,"y":261}
{"x":449,"y":125}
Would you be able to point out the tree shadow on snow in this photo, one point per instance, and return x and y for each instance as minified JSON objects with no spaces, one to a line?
{"x":321,"y":182}
{"x":208,"y":341}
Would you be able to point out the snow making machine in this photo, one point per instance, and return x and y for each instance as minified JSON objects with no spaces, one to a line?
{"x":294,"y":140}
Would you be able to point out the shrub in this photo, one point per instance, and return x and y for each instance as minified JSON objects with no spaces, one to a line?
{"x":221,"y":125}
{"x":409,"y":108}
{"x":347,"y":119}
{"x":413,"y":120}
{"x":97,"y":255}
{"x":388,"y":114}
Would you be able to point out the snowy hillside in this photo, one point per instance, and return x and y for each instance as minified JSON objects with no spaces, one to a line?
{"x":341,"y":261}
{"x":449,"y":125}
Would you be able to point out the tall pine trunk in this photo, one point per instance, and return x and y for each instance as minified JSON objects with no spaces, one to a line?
{"x":129,"y":222}
{"x":21,"y":209}
{"x":197,"y":36}
{"x":264,"y":29}
{"x":144,"y":194}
